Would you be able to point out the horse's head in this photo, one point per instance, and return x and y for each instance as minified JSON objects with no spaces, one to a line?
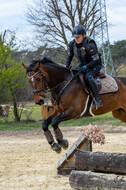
{"x":38,"y":81}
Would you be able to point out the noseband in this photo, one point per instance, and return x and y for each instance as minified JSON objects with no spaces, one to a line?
{"x":44,"y":83}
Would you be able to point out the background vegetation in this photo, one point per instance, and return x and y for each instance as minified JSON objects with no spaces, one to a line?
{"x":14,"y":87}
{"x":32,"y":119}
{"x":52,"y":22}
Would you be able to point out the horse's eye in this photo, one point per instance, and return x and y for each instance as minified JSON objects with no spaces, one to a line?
{"x":38,"y":79}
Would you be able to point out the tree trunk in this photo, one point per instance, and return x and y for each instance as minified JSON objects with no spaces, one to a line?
{"x":17,"y":118}
{"x":88,"y":180}
{"x":101,"y":161}
{"x":16,"y":115}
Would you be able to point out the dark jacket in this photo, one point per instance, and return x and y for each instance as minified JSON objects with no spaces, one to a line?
{"x":86,"y":52}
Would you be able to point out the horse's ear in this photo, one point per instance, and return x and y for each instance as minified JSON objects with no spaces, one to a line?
{"x":26,"y":67}
{"x":37,"y":65}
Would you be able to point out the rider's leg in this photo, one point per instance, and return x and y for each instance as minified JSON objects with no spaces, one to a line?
{"x":89,"y":77}
{"x":94,"y":88}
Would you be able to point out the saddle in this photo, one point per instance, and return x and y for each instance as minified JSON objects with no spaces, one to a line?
{"x":105,"y":83}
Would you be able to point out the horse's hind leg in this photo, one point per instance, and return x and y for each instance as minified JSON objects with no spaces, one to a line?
{"x":120,"y":114}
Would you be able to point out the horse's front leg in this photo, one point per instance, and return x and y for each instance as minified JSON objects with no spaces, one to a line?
{"x":47,"y":132}
{"x":57,"y":132}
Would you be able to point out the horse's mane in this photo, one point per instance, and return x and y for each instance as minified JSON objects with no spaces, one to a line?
{"x":45,"y":61}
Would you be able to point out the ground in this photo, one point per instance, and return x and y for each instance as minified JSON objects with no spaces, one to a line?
{"x":28,"y":163}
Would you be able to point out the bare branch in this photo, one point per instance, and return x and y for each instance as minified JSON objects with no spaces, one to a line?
{"x":54,"y":19}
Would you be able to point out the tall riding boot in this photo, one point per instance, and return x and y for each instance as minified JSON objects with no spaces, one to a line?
{"x":98,"y":103}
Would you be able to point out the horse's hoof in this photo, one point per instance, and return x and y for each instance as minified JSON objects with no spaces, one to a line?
{"x":64,"y":144}
{"x":56,"y":147}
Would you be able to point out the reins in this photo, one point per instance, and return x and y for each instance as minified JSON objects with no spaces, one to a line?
{"x":63,"y":82}
{"x":67,"y":83}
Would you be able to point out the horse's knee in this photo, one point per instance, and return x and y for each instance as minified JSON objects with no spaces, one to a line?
{"x":54,"y":123}
{"x":44,"y":126}
{"x":46,"y":123}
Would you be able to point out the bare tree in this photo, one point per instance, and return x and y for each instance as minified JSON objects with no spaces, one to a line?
{"x":53,"y":20}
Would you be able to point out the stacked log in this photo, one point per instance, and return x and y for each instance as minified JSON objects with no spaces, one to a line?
{"x":114,"y":163}
{"x":89,"y":180}
{"x":101,"y":162}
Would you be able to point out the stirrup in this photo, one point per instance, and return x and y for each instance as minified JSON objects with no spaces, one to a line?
{"x":97,"y":104}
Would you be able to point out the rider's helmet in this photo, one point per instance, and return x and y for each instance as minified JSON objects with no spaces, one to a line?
{"x":78,"y":30}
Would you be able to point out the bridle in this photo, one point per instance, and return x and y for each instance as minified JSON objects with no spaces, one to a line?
{"x":44,"y":83}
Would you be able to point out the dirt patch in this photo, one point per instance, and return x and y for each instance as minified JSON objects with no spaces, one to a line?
{"x":27,"y":162}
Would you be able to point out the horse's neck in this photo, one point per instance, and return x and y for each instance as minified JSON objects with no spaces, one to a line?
{"x":55,"y":75}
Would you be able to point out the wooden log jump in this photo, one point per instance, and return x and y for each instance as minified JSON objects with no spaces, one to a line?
{"x":100,"y":161}
{"x":86,"y":179}
{"x":79,"y":159}
{"x":66,"y":163}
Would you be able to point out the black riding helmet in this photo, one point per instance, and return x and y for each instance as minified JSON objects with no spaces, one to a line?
{"x":78,"y":30}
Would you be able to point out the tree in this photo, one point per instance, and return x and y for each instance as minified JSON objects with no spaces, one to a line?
{"x":118,"y":51}
{"x":53,"y":20}
{"x":12,"y":75}
{"x":121,"y":71}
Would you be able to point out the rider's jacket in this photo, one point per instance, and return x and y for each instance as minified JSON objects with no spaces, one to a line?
{"x":86,"y":52}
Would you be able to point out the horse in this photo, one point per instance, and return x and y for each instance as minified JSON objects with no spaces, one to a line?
{"x":69,"y":98}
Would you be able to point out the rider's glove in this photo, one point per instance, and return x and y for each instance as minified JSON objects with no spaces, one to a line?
{"x":83,"y":68}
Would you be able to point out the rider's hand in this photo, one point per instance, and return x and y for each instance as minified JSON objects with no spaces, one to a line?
{"x":83,"y":68}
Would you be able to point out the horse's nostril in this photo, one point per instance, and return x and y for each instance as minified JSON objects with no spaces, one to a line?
{"x":40,"y":102}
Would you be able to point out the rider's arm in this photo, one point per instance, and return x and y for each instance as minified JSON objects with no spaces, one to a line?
{"x":70,"y":54}
{"x":94,"y":54}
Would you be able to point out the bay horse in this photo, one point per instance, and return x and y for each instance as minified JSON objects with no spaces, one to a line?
{"x":68,"y":97}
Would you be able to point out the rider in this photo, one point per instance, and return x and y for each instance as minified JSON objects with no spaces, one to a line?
{"x":85,"y":49}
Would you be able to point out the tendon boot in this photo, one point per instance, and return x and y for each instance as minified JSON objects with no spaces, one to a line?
{"x":50,"y":139}
{"x":97,"y":103}
{"x":59,"y":137}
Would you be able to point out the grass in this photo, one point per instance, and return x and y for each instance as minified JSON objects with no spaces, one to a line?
{"x":8,"y":124}
{"x":35,"y":114}
{"x":16,"y":126}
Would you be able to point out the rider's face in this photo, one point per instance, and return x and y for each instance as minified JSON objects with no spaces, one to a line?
{"x":79,"y":39}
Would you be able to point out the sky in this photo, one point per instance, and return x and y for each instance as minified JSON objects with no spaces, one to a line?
{"x":13,"y":17}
